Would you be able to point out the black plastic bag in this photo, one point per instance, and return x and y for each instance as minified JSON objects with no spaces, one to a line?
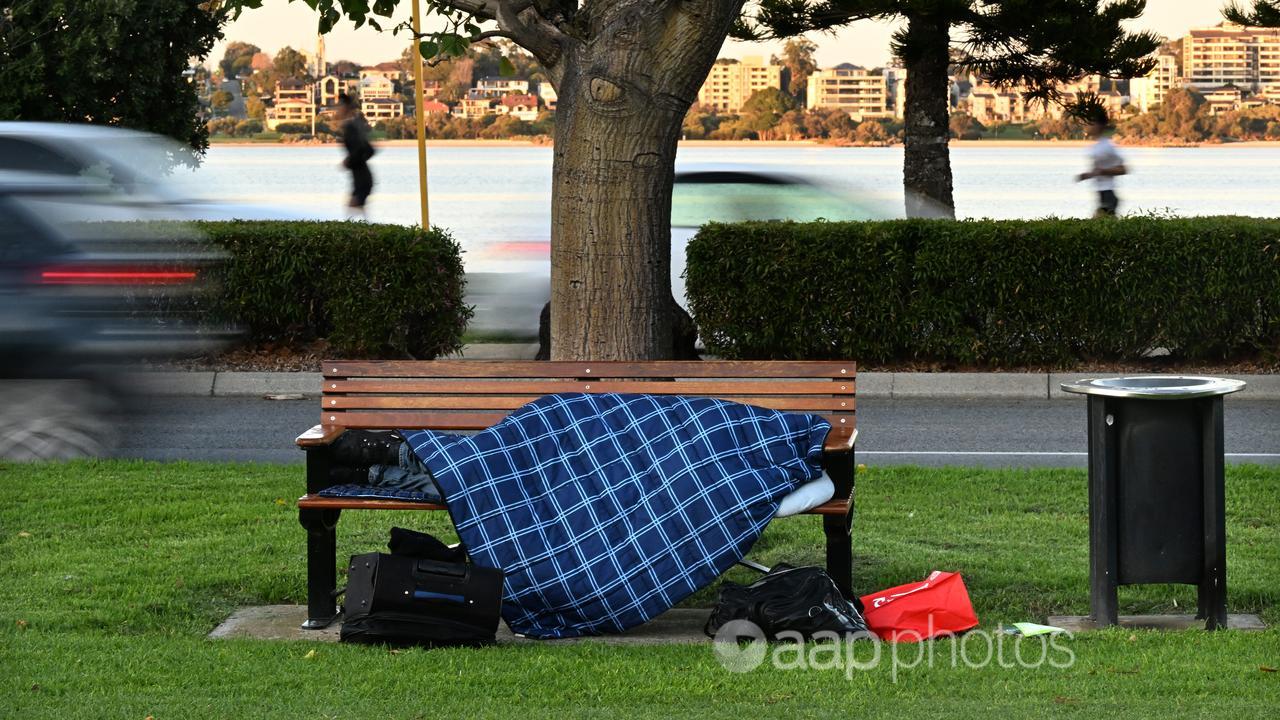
{"x":412,"y":543}
{"x":802,"y":600}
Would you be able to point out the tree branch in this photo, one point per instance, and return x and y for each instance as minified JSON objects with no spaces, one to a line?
{"x":1264,"y":13}
{"x":478,"y":8}
{"x":490,"y":34}
{"x":521,"y":22}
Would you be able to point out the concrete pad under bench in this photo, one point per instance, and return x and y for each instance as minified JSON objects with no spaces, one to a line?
{"x":1084,"y":623}
{"x":284,"y":622}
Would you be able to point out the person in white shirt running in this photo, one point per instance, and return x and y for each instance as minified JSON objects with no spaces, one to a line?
{"x":1107,"y":165}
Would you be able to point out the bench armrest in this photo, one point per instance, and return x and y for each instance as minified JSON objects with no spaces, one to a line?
{"x":319,"y":436}
{"x":840,"y":440}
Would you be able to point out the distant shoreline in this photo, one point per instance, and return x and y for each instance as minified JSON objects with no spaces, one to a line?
{"x":758,"y":143}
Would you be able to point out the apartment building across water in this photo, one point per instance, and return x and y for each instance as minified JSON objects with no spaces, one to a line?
{"x":864,"y":94}
{"x":731,"y":82}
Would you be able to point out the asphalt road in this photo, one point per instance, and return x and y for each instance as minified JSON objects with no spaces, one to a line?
{"x":953,"y":432}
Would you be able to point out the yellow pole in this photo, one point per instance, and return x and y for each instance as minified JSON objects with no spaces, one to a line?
{"x":418,"y":114}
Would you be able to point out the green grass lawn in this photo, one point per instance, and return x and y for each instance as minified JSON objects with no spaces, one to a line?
{"x":114,"y":572}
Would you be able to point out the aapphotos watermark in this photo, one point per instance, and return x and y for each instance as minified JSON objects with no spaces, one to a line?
{"x":740,"y":646}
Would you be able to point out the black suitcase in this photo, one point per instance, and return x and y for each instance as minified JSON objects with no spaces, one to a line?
{"x":403,"y":601}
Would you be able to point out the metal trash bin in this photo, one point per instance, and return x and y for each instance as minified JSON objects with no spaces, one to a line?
{"x":1156,"y":511}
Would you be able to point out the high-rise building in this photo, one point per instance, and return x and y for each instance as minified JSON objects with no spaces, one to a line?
{"x":731,"y":83}
{"x":864,"y":94}
{"x":1147,"y":92}
{"x":1248,"y":58}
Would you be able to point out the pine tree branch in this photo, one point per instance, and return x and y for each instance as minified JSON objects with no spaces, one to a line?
{"x":1264,"y":13}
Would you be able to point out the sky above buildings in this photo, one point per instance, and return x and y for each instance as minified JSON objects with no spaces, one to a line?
{"x":279,"y":23}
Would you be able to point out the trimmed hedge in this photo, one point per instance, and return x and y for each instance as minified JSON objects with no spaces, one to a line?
{"x":369,"y":290}
{"x":997,"y":293}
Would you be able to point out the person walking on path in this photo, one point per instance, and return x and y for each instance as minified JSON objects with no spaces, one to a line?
{"x":1106,"y":163}
{"x":355,"y":138}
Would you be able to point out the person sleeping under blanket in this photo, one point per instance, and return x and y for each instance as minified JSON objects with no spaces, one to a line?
{"x":603,"y":510}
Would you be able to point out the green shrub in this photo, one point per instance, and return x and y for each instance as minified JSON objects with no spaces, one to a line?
{"x":999,"y":293}
{"x":294,"y":128}
{"x":370,"y":290}
{"x":248,"y":128}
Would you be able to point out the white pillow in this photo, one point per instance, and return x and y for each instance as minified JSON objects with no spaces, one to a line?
{"x":807,"y":497}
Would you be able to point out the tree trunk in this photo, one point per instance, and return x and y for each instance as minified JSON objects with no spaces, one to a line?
{"x":623,"y":96}
{"x":926,"y":168}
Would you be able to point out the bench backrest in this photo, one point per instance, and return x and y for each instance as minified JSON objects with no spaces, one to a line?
{"x":475,"y":394}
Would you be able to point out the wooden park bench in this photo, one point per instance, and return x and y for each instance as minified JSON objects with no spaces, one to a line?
{"x":462,"y":395}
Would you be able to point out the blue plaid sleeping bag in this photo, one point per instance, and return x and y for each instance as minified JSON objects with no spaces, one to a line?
{"x":605,"y":510}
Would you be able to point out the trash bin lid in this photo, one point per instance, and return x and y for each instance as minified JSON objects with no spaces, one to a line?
{"x":1155,"y":387}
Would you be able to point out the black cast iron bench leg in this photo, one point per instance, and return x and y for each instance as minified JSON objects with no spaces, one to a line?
{"x":322,"y":546}
{"x":838,"y":529}
{"x":322,"y":566}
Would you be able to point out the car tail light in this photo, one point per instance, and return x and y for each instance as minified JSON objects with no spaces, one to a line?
{"x":115,"y":276}
{"x":518,"y":248}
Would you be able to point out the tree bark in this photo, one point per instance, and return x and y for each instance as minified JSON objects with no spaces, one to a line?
{"x":623,"y":95}
{"x":926,"y":169}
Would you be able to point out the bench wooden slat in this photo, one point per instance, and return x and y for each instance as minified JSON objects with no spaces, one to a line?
{"x":316,"y":502}
{"x":445,"y":420}
{"x":538,"y":388}
{"x":586,"y":370}
{"x":502,"y":402}
{"x":840,"y":439}
{"x":411,"y":420}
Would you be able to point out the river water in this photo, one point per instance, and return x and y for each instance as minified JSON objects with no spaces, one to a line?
{"x":504,"y":192}
{"x":496,"y":199}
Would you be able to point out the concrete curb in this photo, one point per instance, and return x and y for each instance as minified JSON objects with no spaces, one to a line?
{"x":871,"y":385}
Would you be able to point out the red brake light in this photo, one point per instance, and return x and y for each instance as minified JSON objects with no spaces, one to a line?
{"x":114,"y":276}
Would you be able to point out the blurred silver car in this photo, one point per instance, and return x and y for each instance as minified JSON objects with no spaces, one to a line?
{"x":508,"y":303}
{"x":135,"y":171}
{"x":77,"y":297}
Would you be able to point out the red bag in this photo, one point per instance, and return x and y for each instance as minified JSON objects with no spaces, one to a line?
{"x":922,"y":610}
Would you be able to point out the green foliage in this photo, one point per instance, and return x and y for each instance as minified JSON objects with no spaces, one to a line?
{"x":1182,"y":116}
{"x":870,"y":132}
{"x":117,"y":63}
{"x":344,"y":68}
{"x":1263,"y":13}
{"x":965,"y":127}
{"x":797,"y":58}
{"x":371,"y":290}
{"x":222,"y":127}
{"x":998,"y":293}
{"x":289,"y":63}
{"x":441,"y":126}
{"x":231,"y":127}
{"x":772,"y":115}
{"x":220,"y":100}
{"x":294,"y":128}
{"x":1185,"y":117}
{"x":238,"y":59}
